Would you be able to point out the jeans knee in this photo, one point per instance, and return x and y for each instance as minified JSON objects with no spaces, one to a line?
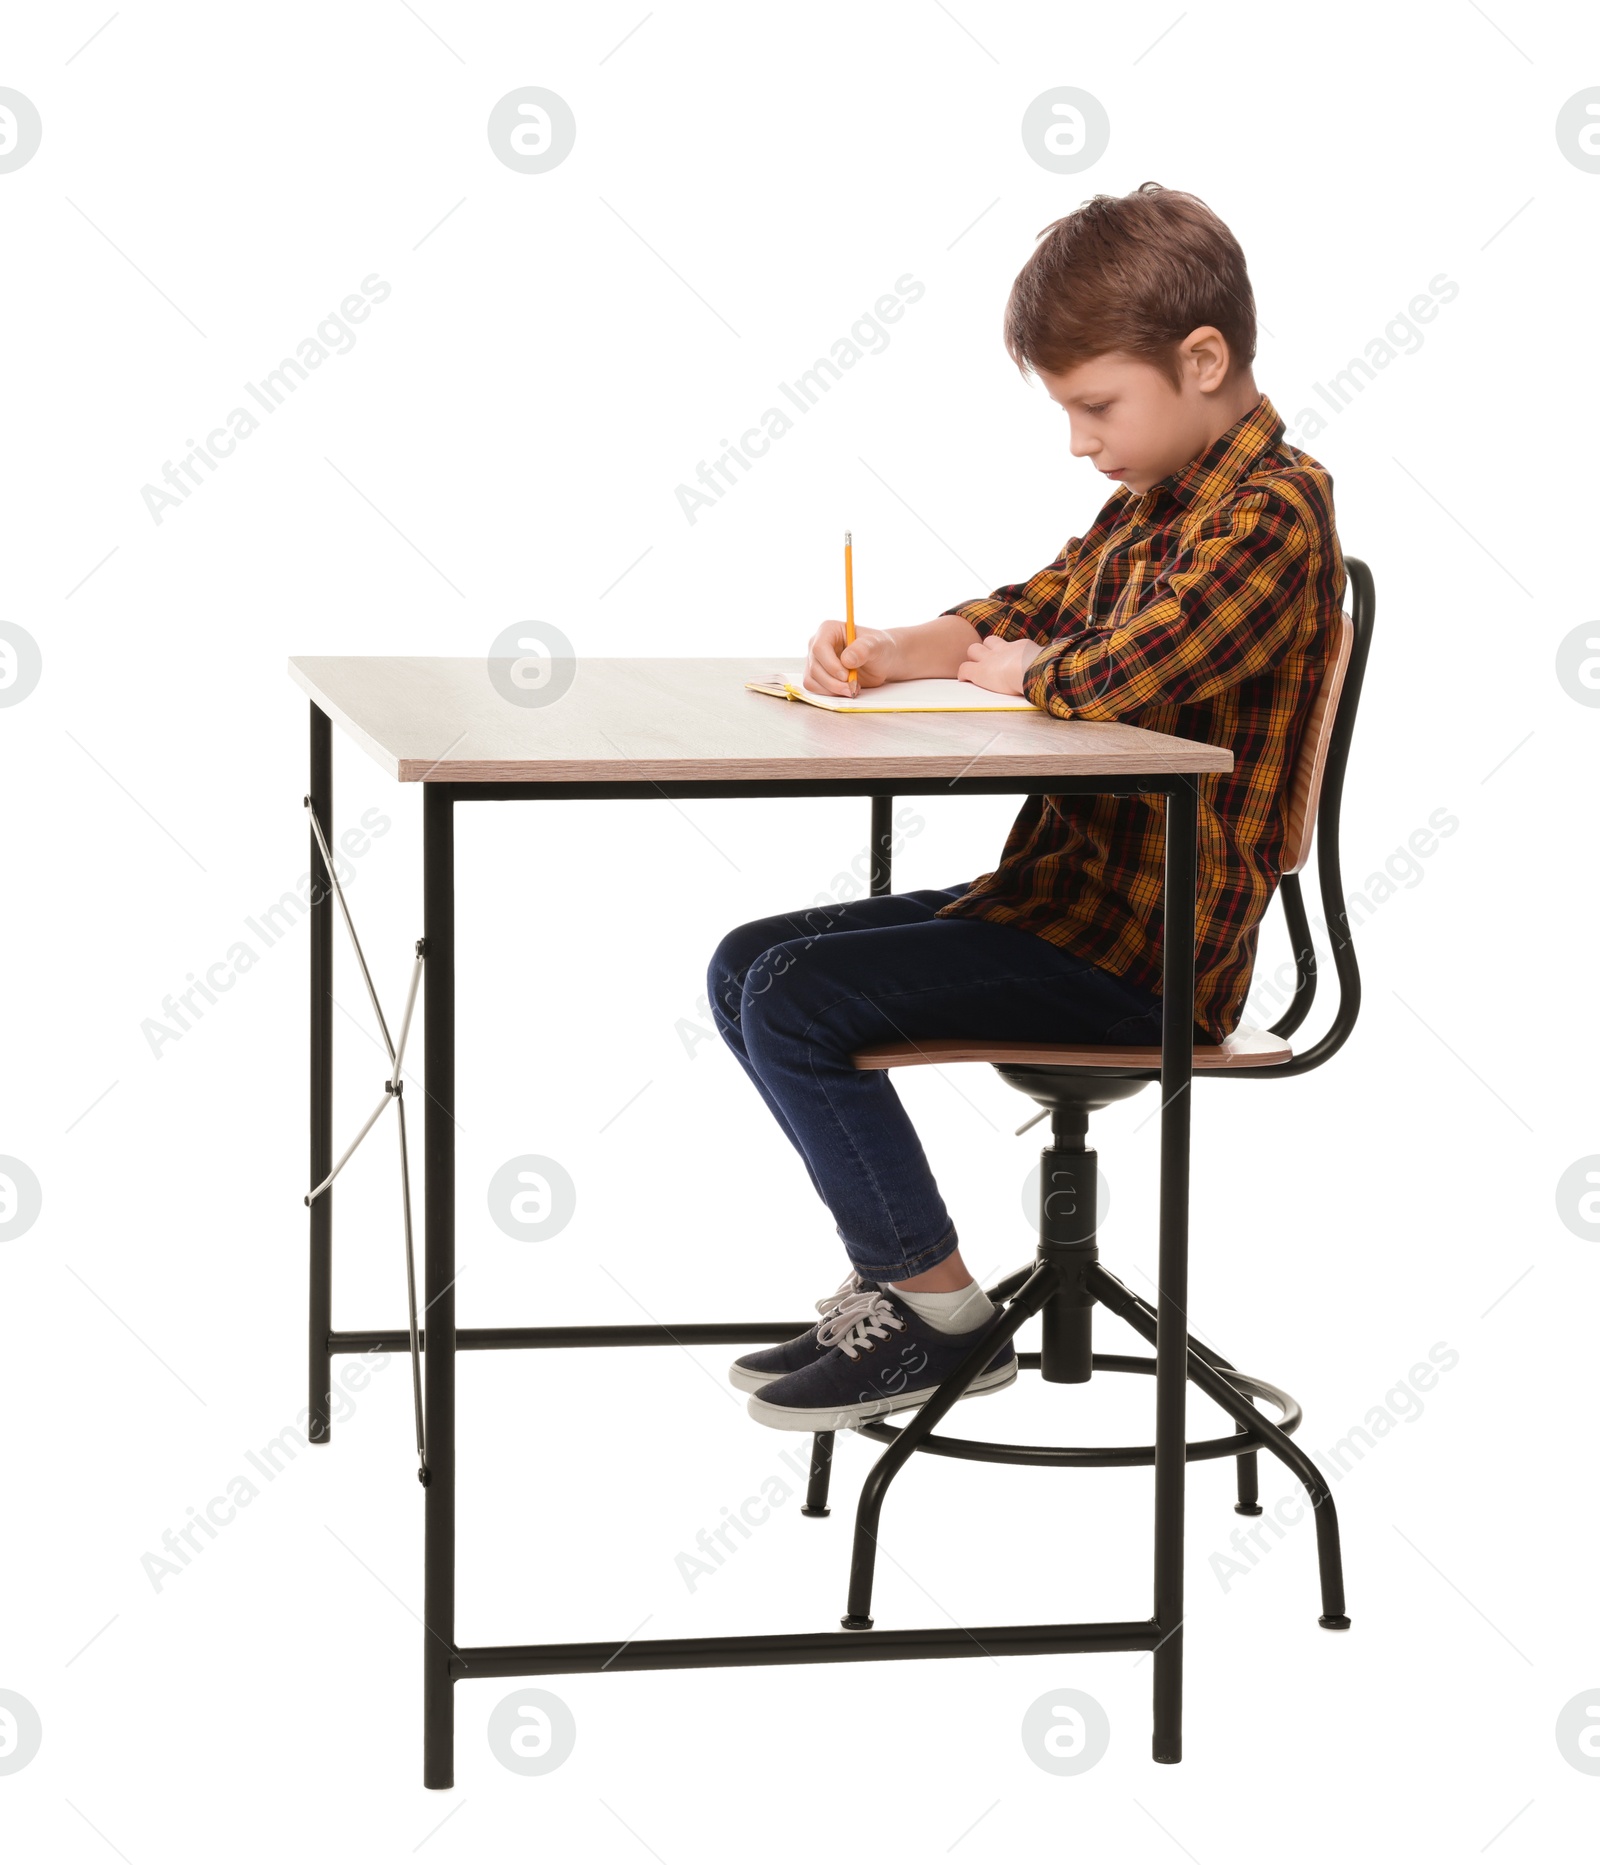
{"x":723,"y":983}
{"x":740,"y":954}
{"x":769,"y":996}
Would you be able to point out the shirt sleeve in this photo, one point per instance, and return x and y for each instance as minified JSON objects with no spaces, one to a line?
{"x":1225,"y":608}
{"x":1020,"y":609}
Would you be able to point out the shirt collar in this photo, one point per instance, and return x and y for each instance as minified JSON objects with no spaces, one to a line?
{"x":1229,"y":457}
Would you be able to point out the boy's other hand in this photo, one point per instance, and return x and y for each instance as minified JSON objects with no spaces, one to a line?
{"x":998,"y":665}
{"x":830,"y":661}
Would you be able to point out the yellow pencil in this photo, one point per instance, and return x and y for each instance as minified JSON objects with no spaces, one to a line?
{"x":850,"y":610}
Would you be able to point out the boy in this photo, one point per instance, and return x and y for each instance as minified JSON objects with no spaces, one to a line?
{"x":1199,"y":603}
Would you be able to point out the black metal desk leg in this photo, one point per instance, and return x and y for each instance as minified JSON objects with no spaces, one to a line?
{"x":319,"y":1364}
{"x":882,"y":843}
{"x":438,"y":1283}
{"x":1172,"y":1271}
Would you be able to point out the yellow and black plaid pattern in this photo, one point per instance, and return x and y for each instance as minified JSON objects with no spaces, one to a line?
{"x":1201,"y":608}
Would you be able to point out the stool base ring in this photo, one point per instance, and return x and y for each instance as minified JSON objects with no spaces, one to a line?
{"x":1096,"y":1456}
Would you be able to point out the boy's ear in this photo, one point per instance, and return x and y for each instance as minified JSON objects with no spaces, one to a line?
{"x":1205,"y":356}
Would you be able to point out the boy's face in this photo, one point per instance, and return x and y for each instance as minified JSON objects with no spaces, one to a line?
{"x":1132,"y":425}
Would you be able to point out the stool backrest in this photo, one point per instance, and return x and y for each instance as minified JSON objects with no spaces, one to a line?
{"x":1306,"y":792}
{"x":1316,"y":796}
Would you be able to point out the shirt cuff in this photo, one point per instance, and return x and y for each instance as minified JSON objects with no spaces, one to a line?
{"x":1038,"y":679}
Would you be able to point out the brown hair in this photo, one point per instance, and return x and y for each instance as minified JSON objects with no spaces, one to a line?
{"x":1134,"y":273}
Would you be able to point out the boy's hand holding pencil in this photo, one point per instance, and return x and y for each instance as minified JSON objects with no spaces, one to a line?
{"x":844,"y":659}
{"x":832,"y":659}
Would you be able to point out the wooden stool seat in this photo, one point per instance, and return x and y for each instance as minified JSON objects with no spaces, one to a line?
{"x":1247,"y":1047}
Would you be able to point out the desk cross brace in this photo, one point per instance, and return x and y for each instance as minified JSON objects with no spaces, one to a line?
{"x":393,"y":1090}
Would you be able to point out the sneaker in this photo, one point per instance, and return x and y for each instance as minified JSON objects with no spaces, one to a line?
{"x":886,"y":1359}
{"x":751,"y":1371}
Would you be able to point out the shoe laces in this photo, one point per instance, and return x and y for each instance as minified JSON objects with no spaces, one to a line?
{"x":850,"y":1286}
{"x":865,"y":1315}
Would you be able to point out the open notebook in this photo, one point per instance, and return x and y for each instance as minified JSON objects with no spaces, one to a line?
{"x":903,"y":696}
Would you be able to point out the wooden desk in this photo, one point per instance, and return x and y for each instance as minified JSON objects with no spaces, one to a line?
{"x":465,"y":730}
{"x":444,"y":721}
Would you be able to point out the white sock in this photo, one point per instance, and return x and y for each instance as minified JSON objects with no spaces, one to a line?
{"x":957,"y":1312}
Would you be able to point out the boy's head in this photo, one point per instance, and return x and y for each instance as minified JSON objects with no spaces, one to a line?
{"x":1137,"y":315}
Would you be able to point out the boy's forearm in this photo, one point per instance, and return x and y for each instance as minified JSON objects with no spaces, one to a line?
{"x":931,"y":650}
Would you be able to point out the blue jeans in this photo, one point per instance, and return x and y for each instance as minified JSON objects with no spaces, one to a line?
{"x":795,"y":995}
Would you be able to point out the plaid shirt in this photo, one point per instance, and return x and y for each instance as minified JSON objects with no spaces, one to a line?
{"x":1200,"y":608}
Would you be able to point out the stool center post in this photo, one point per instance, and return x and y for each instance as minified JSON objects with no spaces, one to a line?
{"x":1068,"y":1170}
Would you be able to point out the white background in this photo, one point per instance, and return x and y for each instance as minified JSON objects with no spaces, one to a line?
{"x":503,"y":443}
